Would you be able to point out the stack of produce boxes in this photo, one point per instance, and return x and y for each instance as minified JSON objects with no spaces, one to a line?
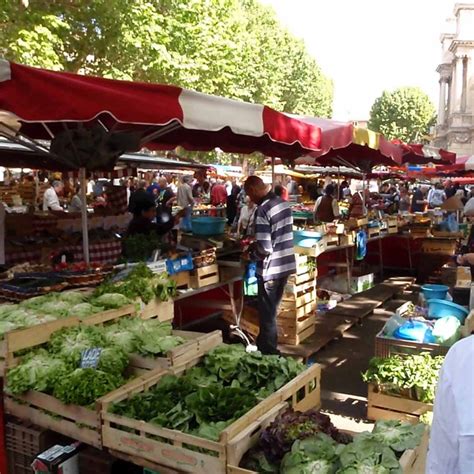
{"x":296,"y":317}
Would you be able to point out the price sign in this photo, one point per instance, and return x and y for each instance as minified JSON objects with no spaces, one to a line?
{"x":90,"y":358}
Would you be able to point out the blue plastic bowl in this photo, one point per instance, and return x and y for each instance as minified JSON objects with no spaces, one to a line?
{"x":208,"y":225}
{"x":435,"y":292}
{"x":441,"y":308}
{"x":306,"y":238}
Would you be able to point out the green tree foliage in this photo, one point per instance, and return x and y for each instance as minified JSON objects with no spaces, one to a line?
{"x":406,"y":113}
{"x":233,"y":48}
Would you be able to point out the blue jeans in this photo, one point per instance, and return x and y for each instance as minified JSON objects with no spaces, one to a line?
{"x":186,"y":220}
{"x":270,"y":294}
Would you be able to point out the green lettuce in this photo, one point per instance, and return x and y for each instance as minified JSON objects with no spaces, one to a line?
{"x":398,"y":435}
{"x":111,"y":300}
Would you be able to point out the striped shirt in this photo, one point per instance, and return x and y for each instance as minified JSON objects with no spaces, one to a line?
{"x":274,"y":234}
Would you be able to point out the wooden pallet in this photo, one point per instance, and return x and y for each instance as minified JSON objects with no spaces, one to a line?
{"x":186,"y":452}
{"x":412,"y":461}
{"x":205,"y":276}
{"x":390,"y":407}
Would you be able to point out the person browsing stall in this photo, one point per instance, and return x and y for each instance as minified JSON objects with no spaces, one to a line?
{"x":51,"y":199}
{"x":326,"y":208}
{"x":274,"y":253}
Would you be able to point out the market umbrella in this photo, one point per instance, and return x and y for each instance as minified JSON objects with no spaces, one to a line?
{"x":419,"y":154}
{"x":463,"y":164}
{"x":91,"y":121}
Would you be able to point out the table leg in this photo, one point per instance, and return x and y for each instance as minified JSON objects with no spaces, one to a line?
{"x":409,"y":253}
{"x":381,"y":258}
{"x":348,"y":269}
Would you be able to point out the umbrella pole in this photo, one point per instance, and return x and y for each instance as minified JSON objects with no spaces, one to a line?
{"x":363,"y":193}
{"x":85,"y":232}
{"x":273,"y":173}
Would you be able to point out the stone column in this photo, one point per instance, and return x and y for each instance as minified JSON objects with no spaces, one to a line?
{"x":465,"y":65}
{"x":442,"y":101}
{"x":457,"y":84}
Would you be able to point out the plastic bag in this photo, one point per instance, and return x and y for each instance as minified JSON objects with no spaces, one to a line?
{"x":447,"y":331}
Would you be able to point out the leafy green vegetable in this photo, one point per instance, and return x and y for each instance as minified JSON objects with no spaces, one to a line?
{"x":38,"y":371}
{"x":397,"y":435}
{"x":111,"y":300}
{"x":72,"y":297}
{"x":367,"y":455}
{"x":413,"y":376}
{"x":37,"y":301}
{"x":277,"y":439}
{"x":113,"y":360}
{"x":317,"y":454}
{"x":82,"y":310}
{"x":69,"y":343}
{"x":84,"y":386}
{"x":165,"y":287}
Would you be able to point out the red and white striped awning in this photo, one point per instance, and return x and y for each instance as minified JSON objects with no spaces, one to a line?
{"x":162,"y":116}
{"x":418,"y":154}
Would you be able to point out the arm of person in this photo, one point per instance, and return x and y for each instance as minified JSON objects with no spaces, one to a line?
{"x":335,"y":208}
{"x":263,"y":238}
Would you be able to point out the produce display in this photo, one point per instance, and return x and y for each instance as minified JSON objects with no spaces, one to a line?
{"x":304,"y":443}
{"x":58,"y":368}
{"x":413,"y":376}
{"x":140,"y":247}
{"x":141,"y":283}
{"x":210,"y":396}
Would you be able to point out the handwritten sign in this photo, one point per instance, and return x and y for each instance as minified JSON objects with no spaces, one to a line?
{"x":90,"y":358}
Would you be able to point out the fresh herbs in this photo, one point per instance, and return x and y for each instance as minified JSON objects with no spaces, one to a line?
{"x":165,"y":287}
{"x":139,"y":247}
{"x":412,"y":376}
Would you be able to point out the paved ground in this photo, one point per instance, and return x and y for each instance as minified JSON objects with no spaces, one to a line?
{"x":343,"y":391}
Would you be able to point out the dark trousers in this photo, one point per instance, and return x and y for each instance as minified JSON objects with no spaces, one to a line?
{"x":270,"y":294}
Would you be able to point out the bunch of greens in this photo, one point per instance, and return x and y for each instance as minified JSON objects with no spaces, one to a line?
{"x":210,"y":396}
{"x":84,"y":386}
{"x":137,"y":284}
{"x":317,"y":454}
{"x":165,"y":287}
{"x":140,"y":247}
{"x":367,"y":454}
{"x":39,"y":371}
{"x":277,"y":439}
{"x":414,"y":376}
{"x":375,"y":452}
{"x":178,"y":403}
{"x":263,"y":374}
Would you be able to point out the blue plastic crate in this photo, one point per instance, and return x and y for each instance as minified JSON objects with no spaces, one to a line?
{"x":181,"y":264}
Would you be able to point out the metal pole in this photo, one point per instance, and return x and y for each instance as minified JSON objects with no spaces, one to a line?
{"x":273,"y":173}
{"x":85,"y":231}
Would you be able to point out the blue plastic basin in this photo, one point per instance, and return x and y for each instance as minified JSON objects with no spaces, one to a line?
{"x":437,"y":292}
{"x":306,"y":238}
{"x":441,"y":308}
{"x":208,"y":225}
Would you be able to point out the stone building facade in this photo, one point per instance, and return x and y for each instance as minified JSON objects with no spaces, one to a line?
{"x":455,"y":127}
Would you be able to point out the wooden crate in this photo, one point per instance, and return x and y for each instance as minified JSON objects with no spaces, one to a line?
{"x":196,"y":344}
{"x":347,"y":239}
{"x":386,"y":347}
{"x":23,"y":337}
{"x":439,"y":246}
{"x":331,"y":240}
{"x":373,"y":232}
{"x":412,"y":461}
{"x":230,"y":269}
{"x":162,"y":310}
{"x":381,"y":406}
{"x":183,"y":451}
{"x":296,"y":330}
{"x":48,"y":412}
{"x":318,"y":248}
{"x":298,"y":293}
{"x":182,"y":279}
{"x":205,"y":276}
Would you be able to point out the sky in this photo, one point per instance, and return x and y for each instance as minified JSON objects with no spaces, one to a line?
{"x":368,"y":46}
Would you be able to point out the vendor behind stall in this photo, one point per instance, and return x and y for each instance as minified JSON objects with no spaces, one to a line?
{"x":326,"y":208}
{"x":51,"y":199}
{"x":143,"y":215}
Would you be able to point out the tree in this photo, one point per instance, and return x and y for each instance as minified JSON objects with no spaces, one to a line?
{"x":233,"y":48}
{"x":406,"y":113}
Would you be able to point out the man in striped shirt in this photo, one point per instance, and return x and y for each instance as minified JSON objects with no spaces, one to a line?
{"x":275,"y":257}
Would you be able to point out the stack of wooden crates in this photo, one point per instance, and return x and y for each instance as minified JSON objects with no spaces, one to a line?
{"x":297,"y":313}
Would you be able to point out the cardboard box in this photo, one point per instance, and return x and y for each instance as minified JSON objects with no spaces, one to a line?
{"x":58,"y":460}
{"x":362,"y":282}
